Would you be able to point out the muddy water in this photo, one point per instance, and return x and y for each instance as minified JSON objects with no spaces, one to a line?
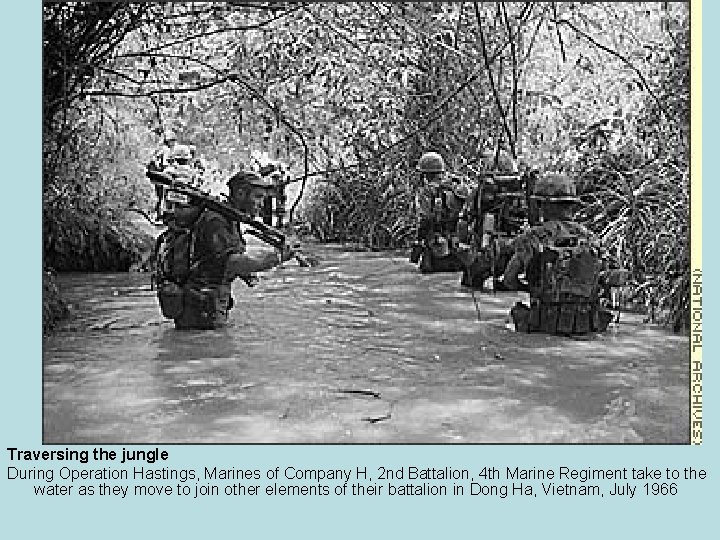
{"x":361,"y":349}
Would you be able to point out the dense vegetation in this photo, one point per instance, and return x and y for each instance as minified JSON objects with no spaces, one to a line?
{"x":350,"y":94}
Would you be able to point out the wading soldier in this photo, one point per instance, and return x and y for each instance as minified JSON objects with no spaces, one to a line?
{"x":203,"y":252}
{"x":563,"y":266}
{"x":439,"y":204}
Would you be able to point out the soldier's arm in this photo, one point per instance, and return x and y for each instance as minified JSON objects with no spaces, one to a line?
{"x":242,"y":264}
{"x":522,"y":249}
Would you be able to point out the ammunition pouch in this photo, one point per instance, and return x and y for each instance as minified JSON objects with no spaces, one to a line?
{"x":199,"y":302}
{"x":170,"y":296}
{"x":520,"y":314}
{"x":222,"y":300}
{"x":195,"y":307}
{"x":415,"y":253}
{"x":560,"y":318}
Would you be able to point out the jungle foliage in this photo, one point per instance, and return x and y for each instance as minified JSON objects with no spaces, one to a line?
{"x":349,"y":95}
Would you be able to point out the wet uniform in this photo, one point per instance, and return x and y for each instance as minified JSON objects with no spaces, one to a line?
{"x":529,"y":243}
{"x":198,"y":296}
{"x":490,"y":249}
{"x":439,"y":209}
{"x":563,"y":265}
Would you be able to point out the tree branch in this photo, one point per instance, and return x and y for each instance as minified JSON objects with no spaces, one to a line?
{"x":616,"y":54}
{"x":559,"y":35}
{"x":513,"y":58}
{"x":222,"y":30}
{"x":159,"y":91}
{"x":336,"y":32}
{"x":256,"y":94}
{"x":488,"y":63}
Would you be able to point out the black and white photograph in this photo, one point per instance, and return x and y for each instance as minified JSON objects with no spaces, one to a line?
{"x":366,"y":223}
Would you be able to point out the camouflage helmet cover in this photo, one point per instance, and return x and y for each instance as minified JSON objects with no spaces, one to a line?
{"x":431,"y":162}
{"x":556,"y":188}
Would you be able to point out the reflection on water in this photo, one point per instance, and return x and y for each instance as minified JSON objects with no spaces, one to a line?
{"x":431,"y":368}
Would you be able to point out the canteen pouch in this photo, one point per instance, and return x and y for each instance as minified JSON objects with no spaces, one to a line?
{"x":520,"y":314}
{"x":221,"y":301}
{"x":198,"y":301}
{"x":582,"y":319}
{"x":602,"y":319}
{"x":207,"y":307}
{"x":549,"y":318}
{"x":534,"y":316}
{"x":566,"y":319}
{"x":415,"y":253}
{"x":170,"y":296}
{"x":426,"y":263}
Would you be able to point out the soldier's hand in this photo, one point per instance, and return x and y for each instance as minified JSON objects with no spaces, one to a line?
{"x":288,"y":251}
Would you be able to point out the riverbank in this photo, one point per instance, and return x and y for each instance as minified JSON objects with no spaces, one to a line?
{"x":88,"y":246}
{"x":54,"y":307}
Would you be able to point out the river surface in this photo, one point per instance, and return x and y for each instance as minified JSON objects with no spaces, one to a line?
{"x":360,"y":349}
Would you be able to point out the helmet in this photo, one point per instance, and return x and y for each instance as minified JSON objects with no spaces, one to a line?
{"x":169,"y":135}
{"x":431,"y":162}
{"x":181,"y":152}
{"x":248,"y":179}
{"x":556,"y":188}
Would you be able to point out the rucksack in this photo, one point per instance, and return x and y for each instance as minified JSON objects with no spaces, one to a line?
{"x":181,"y":257}
{"x":174,"y":252}
{"x":569,"y":268}
{"x":563,"y":278}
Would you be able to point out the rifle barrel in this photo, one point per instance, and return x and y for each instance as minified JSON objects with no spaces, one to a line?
{"x":264,"y":232}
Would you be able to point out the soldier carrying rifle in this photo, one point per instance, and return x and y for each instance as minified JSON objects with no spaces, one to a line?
{"x":203,"y":251}
{"x":438,"y":202}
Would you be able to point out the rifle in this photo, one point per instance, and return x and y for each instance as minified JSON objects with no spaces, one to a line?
{"x":260,"y":230}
